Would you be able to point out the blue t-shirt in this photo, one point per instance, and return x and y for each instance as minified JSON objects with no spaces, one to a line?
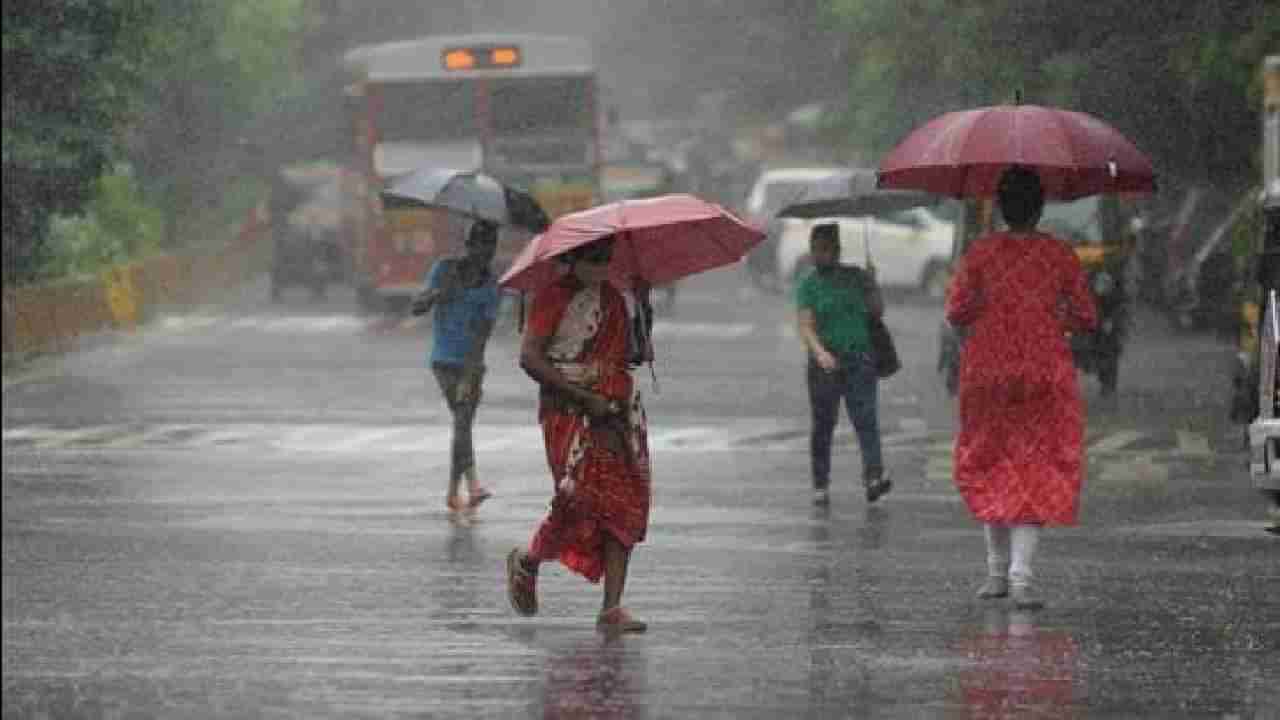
{"x":451,"y":321}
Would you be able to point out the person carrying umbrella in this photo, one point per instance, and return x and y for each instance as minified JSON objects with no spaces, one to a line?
{"x":1019,"y":453}
{"x":834,"y":304}
{"x":463,"y":292}
{"x":1019,"y":456}
{"x":577,"y":347}
{"x":580,"y":345}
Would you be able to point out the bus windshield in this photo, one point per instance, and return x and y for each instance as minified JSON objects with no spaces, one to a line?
{"x":427,"y":111}
{"x":446,"y":109}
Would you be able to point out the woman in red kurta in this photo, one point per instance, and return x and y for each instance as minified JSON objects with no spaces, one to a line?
{"x":1019,"y":457}
{"x":576,"y":347}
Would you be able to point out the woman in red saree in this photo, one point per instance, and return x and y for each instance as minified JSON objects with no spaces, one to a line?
{"x":1019,"y":457}
{"x":576,"y":347}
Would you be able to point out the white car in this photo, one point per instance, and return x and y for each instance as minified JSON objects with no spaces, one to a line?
{"x":910,"y":249}
{"x":773,"y":190}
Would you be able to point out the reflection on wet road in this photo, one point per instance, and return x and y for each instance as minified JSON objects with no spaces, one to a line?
{"x":200,"y":528}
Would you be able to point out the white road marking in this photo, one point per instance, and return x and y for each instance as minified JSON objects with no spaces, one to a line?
{"x":939,"y":468}
{"x":913,"y":425}
{"x":761,"y":435}
{"x":685,"y":438}
{"x":1115,"y":441}
{"x":1134,"y":472}
{"x":1193,"y":444}
{"x":664,"y":329}
{"x":308,"y":324}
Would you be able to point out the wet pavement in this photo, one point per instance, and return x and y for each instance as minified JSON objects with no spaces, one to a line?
{"x":242,"y":518}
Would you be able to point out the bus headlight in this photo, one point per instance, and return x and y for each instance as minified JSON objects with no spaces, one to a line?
{"x":1103,"y":283}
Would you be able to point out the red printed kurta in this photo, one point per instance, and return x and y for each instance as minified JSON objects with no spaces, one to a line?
{"x":598,"y":489}
{"x":1019,"y":457}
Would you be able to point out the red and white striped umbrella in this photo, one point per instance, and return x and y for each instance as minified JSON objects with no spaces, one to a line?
{"x":659,"y":240}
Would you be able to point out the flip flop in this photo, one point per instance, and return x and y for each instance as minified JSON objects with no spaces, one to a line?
{"x":619,"y":620}
{"x":522,"y":585}
{"x":478,"y":496}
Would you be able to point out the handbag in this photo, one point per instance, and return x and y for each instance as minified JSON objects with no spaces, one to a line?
{"x":883,"y":350}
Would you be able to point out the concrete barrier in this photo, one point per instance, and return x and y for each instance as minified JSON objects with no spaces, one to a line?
{"x":53,"y":317}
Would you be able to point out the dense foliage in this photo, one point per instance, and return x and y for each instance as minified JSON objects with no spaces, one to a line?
{"x":68,"y":70}
{"x":1180,"y":78}
{"x":138,"y":104}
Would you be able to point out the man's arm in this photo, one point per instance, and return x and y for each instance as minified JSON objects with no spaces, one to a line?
{"x":439,"y":288}
{"x":807,"y":323}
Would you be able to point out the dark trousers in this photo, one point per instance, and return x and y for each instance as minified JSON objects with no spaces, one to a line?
{"x":449,"y":376}
{"x":856,"y":382}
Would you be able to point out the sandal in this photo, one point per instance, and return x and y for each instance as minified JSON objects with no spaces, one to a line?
{"x":522,"y":584}
{"x":479,"y":495}
{"x":618,"y":620}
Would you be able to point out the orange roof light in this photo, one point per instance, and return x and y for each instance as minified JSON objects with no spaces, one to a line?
{"x":504,"y":56}
{"x":459,"y":59}
{"x":483,"y":57}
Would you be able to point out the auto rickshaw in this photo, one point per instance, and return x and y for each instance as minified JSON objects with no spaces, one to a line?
{"x":1097,"y":228}
{"x":306,"y":251}
{"x":1257,"y":378}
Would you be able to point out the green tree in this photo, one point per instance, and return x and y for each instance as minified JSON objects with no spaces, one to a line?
{"x":68,"y":68}
{"x":1179,"y":78}
{"x":212,"y":67}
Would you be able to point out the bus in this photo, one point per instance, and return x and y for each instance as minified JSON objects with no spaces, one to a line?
{"x":523,"y":108}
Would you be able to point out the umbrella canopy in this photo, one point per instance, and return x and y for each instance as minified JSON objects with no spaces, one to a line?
{"x":473,"y":194}
{"x":962,"y":154}
{"x":870,"y":203}
{"x":660,"y":239}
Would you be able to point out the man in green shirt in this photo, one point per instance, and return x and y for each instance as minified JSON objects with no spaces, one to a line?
{"x":834,"y":304}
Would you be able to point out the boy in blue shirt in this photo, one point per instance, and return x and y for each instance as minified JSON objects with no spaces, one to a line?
{"x":464,"y":295}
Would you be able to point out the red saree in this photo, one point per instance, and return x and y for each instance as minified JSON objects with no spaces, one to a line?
{"x":600,"y":472}
{"x":1019,"y":456}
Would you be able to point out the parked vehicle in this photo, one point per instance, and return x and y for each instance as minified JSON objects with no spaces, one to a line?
{"x":773,"y":190}
{"x":911,"y":249}
{"x":1257,"y":379}
{"x":306,"y":251}
{"x":308,"y":257}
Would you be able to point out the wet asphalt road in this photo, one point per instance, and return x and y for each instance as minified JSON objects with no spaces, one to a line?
{"x":239,"y":513}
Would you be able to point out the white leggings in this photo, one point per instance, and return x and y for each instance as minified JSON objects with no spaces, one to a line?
{"x":1015,"y":565}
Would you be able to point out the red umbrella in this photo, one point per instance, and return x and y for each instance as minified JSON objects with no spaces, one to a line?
{"x":962,"y":154}
{"x":660,"y":239}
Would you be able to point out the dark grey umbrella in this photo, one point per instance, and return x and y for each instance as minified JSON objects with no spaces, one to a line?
{"x":869,"y":203}
{"x":473,"y":194}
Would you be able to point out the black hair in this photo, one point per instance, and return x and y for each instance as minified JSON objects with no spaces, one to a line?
{"x":483,"y":231}
{"x":1021,"y":196}
{"x":572,"y":256}
{"x":825,"y":231}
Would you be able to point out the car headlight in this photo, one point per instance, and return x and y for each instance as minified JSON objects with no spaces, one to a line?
{"x":1103,"y":283}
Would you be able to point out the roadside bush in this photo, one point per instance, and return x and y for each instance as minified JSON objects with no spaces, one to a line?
{"x":118,"y":225}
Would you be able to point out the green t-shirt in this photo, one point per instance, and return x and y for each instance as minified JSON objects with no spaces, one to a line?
{"x":839,"y":306}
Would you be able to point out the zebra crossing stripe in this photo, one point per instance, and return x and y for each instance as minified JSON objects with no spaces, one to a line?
{"x":758,"y":436}
{"x":1193,"y":444}
{"x":1115,"y":441}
